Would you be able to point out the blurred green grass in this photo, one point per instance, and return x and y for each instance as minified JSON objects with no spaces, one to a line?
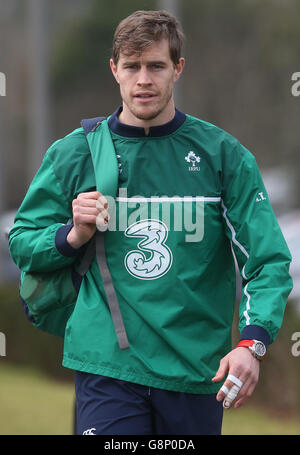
{"x":31,"y":403}
{"x":250,"y":420}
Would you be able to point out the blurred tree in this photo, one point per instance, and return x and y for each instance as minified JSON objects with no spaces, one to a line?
{"x":81,"y":78}
{"x":240,"y":59}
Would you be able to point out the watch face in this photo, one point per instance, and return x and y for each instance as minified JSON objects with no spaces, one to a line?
{"x":260,"y":349}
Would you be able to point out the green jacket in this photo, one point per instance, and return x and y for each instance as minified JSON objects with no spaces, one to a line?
{"x":191,"y":198}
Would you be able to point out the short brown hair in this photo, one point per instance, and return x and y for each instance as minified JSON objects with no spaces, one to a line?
{"x":141,"y":29}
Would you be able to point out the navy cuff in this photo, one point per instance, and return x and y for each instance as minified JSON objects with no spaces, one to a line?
{"x":61,"y":242}
{"x":255,"y":332}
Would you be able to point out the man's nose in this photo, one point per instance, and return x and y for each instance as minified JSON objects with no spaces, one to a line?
{"x":144,"y":77}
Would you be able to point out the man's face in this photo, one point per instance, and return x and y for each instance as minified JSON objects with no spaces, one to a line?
{"x":146,"y":85}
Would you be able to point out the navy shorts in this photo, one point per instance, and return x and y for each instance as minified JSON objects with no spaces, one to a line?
{"x":107,"y":406}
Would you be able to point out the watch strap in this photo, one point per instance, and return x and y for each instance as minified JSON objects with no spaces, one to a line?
{"x":245,"y":343}
{"x":250,"y":345}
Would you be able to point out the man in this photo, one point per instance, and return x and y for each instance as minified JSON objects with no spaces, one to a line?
{"x":174,"y":275}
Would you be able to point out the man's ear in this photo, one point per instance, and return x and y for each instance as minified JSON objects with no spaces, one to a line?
{"x":179,"y":68}
{"x":114,"y":70}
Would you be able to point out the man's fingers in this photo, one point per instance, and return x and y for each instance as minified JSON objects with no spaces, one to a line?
{"x":91,"y":199}
{"x":85,"y":210}
{"x":102,"y":223}
{"x":221,"y":371}
{"x":245,"y":393}
{"x":102,"y":203}
{"x":231,"y":396}
{"x":236,"y":379}
{"x":231,"y":389}
{"x":237,"y":389}
{"x":85,"y":202}
{"x":88,"y":205}
{"x":90,"y":195}
{"x":84,"y":214}
{"x":243,"y":375}
{"x":224,"y":389}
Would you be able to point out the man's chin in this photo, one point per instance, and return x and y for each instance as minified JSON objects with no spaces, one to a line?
{"x":146,"y":114}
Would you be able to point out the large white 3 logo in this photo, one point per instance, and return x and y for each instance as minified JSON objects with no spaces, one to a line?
{"x":159,"y":260}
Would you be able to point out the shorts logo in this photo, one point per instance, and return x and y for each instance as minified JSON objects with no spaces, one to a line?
{"x":193,"y":159}
{"x":89,"y":432}
{"x":153,"y":258}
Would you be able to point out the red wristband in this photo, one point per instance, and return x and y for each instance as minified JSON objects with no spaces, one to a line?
{"x":245,"y":343}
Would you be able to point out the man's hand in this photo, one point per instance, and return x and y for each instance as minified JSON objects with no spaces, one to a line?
{"x":240,"y":363}
{"x":90,"y":210}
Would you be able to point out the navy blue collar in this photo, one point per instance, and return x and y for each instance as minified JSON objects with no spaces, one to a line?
{"x":137,"y":131}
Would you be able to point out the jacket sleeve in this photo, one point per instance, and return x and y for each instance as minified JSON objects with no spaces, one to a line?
{"x":37,"y":240}
{"x":260,"y":249}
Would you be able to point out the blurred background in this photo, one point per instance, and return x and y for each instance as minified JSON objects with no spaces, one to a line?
{"x":241,"y":56}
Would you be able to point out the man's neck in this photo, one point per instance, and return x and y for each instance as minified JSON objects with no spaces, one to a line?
{"x":127,"y":118}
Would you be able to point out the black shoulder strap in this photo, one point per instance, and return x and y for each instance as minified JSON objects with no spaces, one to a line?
{"x":90,"y":124}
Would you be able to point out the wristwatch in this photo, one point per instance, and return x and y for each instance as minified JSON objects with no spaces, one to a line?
{"x":257,"y":348}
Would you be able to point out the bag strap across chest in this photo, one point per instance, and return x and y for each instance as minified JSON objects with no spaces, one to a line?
{"x":106,"y":174}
